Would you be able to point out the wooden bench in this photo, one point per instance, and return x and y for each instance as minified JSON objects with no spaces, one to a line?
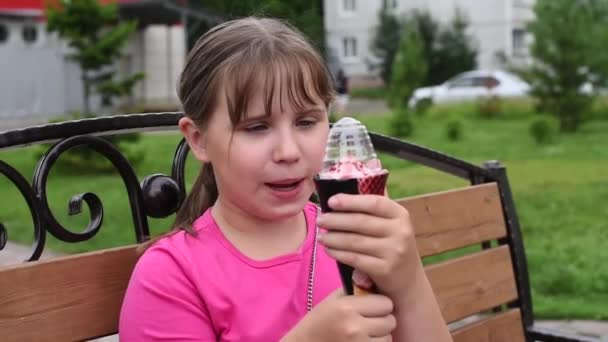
{"x":484,"y":293}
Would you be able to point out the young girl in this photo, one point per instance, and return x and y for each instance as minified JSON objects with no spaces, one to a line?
{"x":246,"y":260}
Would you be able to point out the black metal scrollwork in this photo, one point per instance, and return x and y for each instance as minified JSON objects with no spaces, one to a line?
{"x":134,"y":192}
{"x":24,"y":187}
{"x":3,"y":237}
{"x":158,"y":195}
{"x":178,"y":170}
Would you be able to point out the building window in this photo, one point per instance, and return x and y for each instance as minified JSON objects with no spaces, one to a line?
{"x":349,"y":47}
{"x":349,"y":6}
{"x":3,"y":33}
{"x":29,"y":33}
{"x":519,"y":42}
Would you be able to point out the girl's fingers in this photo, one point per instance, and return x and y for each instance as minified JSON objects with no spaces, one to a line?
{"x":367,"y":264}
{"x":372,"y":305}
{"x":360,"y":223}
{"x":375,"y":205}
{"x":352,"y":242}
{"x":381,"y":326}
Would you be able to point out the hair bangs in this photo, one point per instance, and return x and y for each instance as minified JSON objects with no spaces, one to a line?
{"x":295,"y":75}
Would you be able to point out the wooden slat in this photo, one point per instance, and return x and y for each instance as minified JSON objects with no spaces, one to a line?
{"x":453,"y":219}
{"x":65,"y":299}
{"x":504,"y":327}
{"x":473,"y":283}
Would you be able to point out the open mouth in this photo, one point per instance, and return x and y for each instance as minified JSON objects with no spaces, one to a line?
{"x":284,"y":185}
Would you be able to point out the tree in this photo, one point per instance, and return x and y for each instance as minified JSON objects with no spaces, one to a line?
{"x":409,"y":67}
{"x":447,"y":49}
{"x":306,"y":15}
{"x":454,"y":51}
{"x":567,"y":53}
{"x":386,"y":42}
{"x":429,"y":30}
{"x":96,"y":38}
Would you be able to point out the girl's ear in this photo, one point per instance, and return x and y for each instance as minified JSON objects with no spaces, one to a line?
{"x":195,"y":137}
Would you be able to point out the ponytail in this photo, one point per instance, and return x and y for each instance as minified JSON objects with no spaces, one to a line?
{"x":202,"y":196}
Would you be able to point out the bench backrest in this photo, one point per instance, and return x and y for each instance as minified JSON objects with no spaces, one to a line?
{"x":469,"y":239}
{"x":78,"y":297}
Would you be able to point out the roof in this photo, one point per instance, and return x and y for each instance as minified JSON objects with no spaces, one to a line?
{"x":145,"y":11}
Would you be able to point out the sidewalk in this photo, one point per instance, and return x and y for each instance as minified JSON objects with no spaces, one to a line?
{"x":14,"y":254}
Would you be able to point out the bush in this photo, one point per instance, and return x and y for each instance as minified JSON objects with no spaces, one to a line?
{"x":490,"y":108}
{"x":454,"y":130}
{"x":375,"y":93}
{"x":85,"y":160}
{"x":401,"y":124}
{"x":422,"y":106}
{"x":544,"y":130}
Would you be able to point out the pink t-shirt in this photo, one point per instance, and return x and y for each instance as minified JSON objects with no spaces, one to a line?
{"x":201,"y":288}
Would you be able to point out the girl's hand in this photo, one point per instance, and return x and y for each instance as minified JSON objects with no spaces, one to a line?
{"x":347,"y":318}
{"x":374,"y":235}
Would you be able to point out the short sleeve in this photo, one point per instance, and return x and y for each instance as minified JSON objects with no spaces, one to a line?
{"x":162,"y":303}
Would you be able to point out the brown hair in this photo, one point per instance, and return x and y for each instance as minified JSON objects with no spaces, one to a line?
{"x":235,"y":59}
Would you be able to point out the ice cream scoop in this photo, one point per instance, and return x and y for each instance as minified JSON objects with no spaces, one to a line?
{"x":350,"y":166}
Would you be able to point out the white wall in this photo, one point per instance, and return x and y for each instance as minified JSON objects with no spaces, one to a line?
{"x":359,"y":24}
{"x":32,"y":74}
{"x":163,"y":59}
{"x":38,"y":81}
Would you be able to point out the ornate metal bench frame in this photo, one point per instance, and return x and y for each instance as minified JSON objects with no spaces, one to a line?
{"x":160,"y":195}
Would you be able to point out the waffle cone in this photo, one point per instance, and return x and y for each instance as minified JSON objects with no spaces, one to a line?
{"x":373,"y":185}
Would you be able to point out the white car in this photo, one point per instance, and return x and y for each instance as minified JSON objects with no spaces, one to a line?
{"x":473,"y":85}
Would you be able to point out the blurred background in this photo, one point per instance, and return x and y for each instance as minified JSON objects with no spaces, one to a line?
{"x":520,"y":81}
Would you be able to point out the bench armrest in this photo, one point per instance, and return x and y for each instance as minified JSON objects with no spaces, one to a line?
{"x":550,"y":335}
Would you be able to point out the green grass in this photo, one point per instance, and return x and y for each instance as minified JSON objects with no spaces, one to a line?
{"x":561,"y":193}
{"x":376,"y":93}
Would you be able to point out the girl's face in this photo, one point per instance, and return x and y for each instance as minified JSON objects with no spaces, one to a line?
{"x":265,"y":165}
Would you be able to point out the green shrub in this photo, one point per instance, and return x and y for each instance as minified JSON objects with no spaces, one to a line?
{"x":544,"y":129}
{"x":375,"y":93}
{"x":423,"y":106}
{"x":454,"y":130}
{"x":490,"y":108}
{"x":85,"y":160}
{"x":402,"y":125}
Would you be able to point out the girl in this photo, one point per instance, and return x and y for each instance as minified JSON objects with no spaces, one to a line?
{"x":246,"y":261}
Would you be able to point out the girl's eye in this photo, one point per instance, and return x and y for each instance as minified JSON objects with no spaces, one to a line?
{"x":256,"y":128}
{"x":306,"y":123}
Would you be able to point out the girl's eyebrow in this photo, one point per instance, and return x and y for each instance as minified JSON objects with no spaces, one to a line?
{"x":310,"y":110}
{"x":303,"y":112}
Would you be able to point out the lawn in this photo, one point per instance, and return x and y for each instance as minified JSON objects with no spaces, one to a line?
{"x":561,"y":192}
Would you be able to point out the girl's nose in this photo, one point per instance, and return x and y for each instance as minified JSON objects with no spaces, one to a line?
{"x":287,"y":149}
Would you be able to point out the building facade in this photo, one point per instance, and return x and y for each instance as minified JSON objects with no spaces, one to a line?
{"x":497,"y":27}
{"x":37,"y":80}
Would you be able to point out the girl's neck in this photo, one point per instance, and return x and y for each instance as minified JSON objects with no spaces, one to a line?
{"x":256,"y":238}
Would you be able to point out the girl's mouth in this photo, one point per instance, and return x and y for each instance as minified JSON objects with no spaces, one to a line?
{"x":285,"y":185}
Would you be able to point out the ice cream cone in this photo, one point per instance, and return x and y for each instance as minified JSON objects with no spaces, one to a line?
{"x":351,"y":166}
